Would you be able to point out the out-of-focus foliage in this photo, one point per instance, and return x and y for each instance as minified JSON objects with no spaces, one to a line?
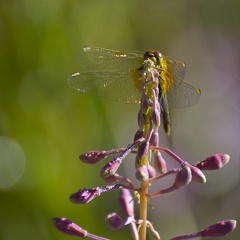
{"x":44,"y":125}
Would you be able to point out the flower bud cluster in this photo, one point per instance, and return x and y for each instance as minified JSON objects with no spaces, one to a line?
{"x":149,"y":122}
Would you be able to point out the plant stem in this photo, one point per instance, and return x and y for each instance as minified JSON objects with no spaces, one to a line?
{"x":143,"y":193}
{"x":143,"y":210}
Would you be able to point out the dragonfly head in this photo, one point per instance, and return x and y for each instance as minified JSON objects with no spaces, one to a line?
{"x":154,"y":56}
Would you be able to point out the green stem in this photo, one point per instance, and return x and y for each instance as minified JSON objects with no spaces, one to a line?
{"x":143,"y":210}
{"x":143,"y":195}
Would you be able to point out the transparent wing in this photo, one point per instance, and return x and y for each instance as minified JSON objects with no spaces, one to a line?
{"x":181,"y":94}
{"x":108,"y":74}
{"x":100,"y":59}
{"x":113,"y":75}
{"x":115,"y":86}
{"x":177,"y":70}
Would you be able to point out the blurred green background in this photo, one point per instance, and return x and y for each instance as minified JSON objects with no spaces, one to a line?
{"x":45,"y":125}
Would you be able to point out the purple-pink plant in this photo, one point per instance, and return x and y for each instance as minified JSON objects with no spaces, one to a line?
{"x":145,"y":146}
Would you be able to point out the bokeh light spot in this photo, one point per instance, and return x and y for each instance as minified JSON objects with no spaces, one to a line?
{"x":12,"y":162}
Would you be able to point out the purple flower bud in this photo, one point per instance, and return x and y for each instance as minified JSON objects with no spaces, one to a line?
{"x":219,"y":229}
{"x":156,"y":117}
{"x":142,"y":152}
{"x":183,"y":177}
{"x":145,"y":105}
{"x":111,"y":179}
{"x":214,"y":162}
{"x":197,"y":175}
{"x":159,"y":163}
{"x":154,"y":140}
{"x":156,"y":104}
{"x":111,"y":167}
{"x":151,"y":171}
{"x":84,"y":195}
{"x":92,"y":157}
{"x":116,"y":178}
{"x":138,"y":135}
{"x":67,"y":227}
{"x":113,"y":221}
{"x":142,"y":173}
{"x":126,"y":202}
{"x":140,"y":119}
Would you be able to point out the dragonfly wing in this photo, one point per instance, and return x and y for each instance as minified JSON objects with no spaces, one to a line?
{"x":183,"y":95}
{"x":112,"y":85}
{"x":177,"y":69}
{"x":100,"y":59}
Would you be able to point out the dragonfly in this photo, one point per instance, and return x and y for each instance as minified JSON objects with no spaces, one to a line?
{"x":116,"y":75}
